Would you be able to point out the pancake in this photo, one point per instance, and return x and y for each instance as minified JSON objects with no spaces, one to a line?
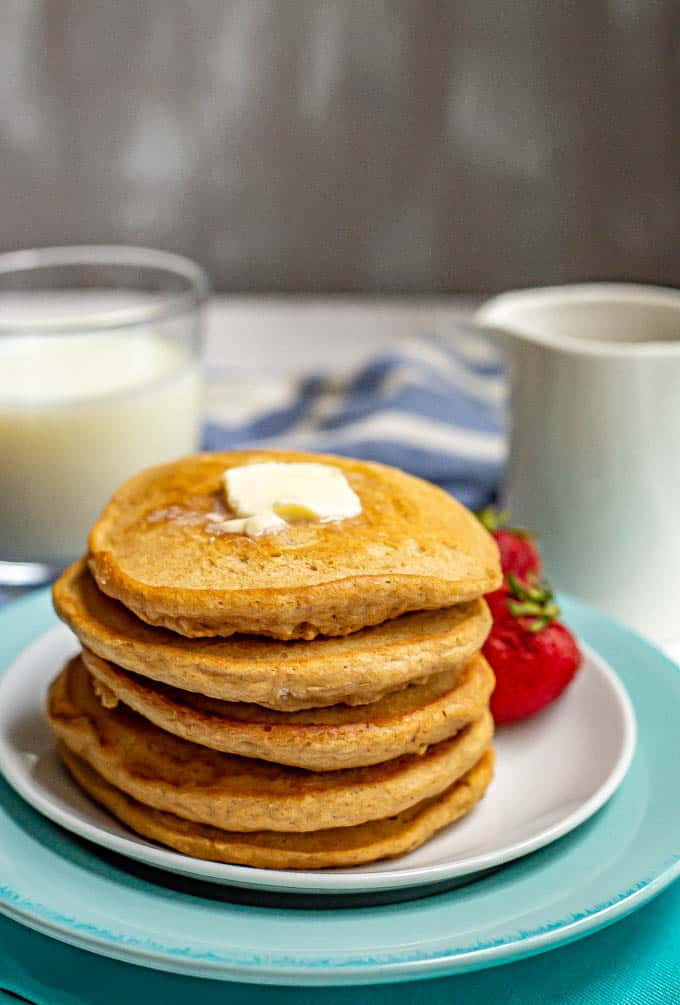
{"x":354,"y":669}
{"x":337,"y":847}
{"x":327,"y":739}
{"x":237,"y":793}
{"x":412,"y":547}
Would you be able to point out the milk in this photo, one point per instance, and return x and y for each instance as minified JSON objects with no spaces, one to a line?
{"x":78,"y":415}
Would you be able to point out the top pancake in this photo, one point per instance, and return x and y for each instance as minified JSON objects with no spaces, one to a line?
{"x":412,"y":547}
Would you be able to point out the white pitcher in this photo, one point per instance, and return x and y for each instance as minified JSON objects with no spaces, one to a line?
{"x":594,"y":463}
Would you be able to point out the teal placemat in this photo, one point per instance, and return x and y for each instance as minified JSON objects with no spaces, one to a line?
{"x":635,"y":962}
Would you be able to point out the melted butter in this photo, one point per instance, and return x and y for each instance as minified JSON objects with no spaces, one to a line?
{"x":268,"y":497}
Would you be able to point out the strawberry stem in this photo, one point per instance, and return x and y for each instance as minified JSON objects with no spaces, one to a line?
{"x":521,"y":608}
{"x":494,"y":519}
{"x":532,"y":599}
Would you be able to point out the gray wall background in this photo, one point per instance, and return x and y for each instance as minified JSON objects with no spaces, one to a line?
{"x":409,"y":145}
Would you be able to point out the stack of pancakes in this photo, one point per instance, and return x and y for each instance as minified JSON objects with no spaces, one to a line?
{"x":299,"y":700}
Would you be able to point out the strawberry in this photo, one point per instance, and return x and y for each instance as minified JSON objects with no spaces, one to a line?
{"x":533,"y":656}
{"x":519,"y":553}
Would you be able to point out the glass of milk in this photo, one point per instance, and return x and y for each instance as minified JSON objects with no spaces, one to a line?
{"x":99,"y":377}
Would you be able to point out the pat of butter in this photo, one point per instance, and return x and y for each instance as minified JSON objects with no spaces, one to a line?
{"x":267,"y":497}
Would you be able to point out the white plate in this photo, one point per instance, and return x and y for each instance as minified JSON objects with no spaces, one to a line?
{"x":552,"y":773}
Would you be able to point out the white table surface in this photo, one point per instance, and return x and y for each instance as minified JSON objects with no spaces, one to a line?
{"x":299,"y":334}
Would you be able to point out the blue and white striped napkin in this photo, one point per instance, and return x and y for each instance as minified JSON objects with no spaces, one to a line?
{"x":435,"y":409}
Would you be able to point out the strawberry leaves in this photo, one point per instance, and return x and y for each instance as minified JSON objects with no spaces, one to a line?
{"x":533,"y":600}
{"x":494,"y":520}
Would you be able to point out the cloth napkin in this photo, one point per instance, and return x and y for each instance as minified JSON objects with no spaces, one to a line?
{"x":434,"y":408}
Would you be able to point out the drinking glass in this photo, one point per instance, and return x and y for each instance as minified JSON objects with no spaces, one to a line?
{"x":99,"y":377}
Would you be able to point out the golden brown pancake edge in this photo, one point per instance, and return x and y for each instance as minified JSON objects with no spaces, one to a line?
{"x":333,"y":848}
{"x":329,"y":739}
{"x":236,"y":793}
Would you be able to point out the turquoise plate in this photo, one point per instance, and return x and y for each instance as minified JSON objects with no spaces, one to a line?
{"x":614,"y":863}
